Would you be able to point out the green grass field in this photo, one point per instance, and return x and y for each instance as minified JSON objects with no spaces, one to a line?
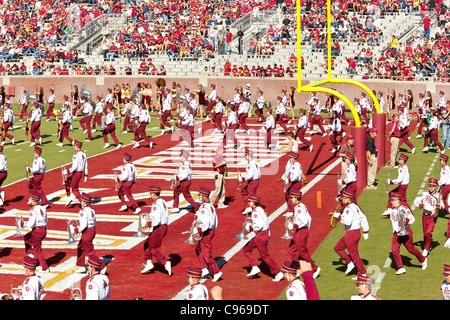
{"x":415,"y":284}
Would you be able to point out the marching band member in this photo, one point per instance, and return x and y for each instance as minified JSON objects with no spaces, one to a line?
{"x":85,"y":122}
{"x":442,"y":102}
{"x":126,"y":113}
{"x":296,"y":288}
{"x":158,"y":224}
{"x":293,"y":175}
{"x":51,"y":100}
{"x":206,"y":226}
{"x":197,"y":291}
{"x":353,"y":219}
{"x":98,"y":111}
{"x":212,"y":100}
{"x":252,"y":175}
{"x":134,"y":116}
{"x":144,"y":120}
{"x":35,"y":120}
{"x":365,"y":107}
{"x":270,"y":127}
{"x":336,"y":131}
{"x":65,"y":123}
{"x":78,"y":170}
{"x":301,"y":224}
{"x":109,"y":98}
{"x":444,"y":188}
{"x":3,"y":174}
{"x":446,"y":283}
{"x":232,"y":125}
{"x":193,"y":103}
{"x":33,"y":286}
{"x":183,"y":177}
{"x":316,"y":117}
{"x":404,"y":121}
{"x":8,"y":120}
{"x":220,"y":168}
{"x":340,"y":105}
{"x":247,"y":93}
{"x":280,"y":114}
{"x":188,"y":122}
{"x":128,"y":177}
{"x":38,"y":170}
{"x":402,"y":179}
{"x":166,"y":111}
{"x":75,"y":97}
{"x":24,"y":103}
{"x":381,"y":101}
{"x":243,"y":110}
{"x":37,"y":222}
{"x":430,"y":201}
{"x":97,"y":286}
{"x":401,"y":218}
{"x":300,"y":129}
{"x":349,"y":182}
{"x":432,"y":132}
{"x":87,"y":227}
{"x":260,"y":225}
{"x":260,"y":102}
{"x":219,"y":111}
{"x":110,"y":128}
{"x":423,"y":115}
{"x":364,"y":287}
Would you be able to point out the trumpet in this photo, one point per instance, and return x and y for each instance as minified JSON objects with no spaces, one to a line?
{"x":73,"y":236}
{"x":142,"y":226}
{"x":289,"y":230}
{"x":18,"y":219}
{"x":244,"y":232}
{"x":402,"y":223}
{"x":194,"y":236}
{"x":333,"y":219}
{"x":388,"y":177}
{"x":76,"y":294}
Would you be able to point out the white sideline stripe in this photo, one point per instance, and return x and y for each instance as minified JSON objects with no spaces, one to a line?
{"x":237,"y":247}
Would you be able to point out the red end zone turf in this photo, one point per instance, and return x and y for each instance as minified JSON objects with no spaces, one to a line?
{"x":116,"y":230}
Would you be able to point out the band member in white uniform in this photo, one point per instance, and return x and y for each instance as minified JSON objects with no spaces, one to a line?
{"x":127,"y":177}
{"x":219,"y":111}
{"x":37,"y":222}
{"x":301,"y":126}
{"x":232,"y":125}
{"x":364,"y":287}
{"x":197,"y":291}
{"x":78,"y":170}
{"x":296,"y":288}
{"x":38,"y":170}
{"x":183,"y":177}
{"x":270,"y":127}
{"x":51,"y":100}
{"x":33,"y":286}
{"x":110,"y":128}
{"x":7,"y":121}
{"x":260,"y":225}
{"x":252,"y":176}
{"x":144,"y":120}
{"x":97,"y":286}
{"x":158,"y":224}
{"x":98,"y":112}
{"x":35,"y":120}
{"x":65,"y":123}
{"x":85,"y":122}
{"x":206,"y":226}
{"x":243,"y":110}
{"x":260,"y":102}
{"x":446,"y":283}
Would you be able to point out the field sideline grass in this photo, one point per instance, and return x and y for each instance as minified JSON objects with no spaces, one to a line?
{"x":415,"y":284}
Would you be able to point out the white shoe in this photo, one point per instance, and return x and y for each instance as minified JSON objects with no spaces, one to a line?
{"x":443,"y":151}
{"x":350,"y":267}
{"x":168,"y":267}
{"x":400,"y":271}
{"x":136,"y":145}
{"x":175,"y":210}
{"x":81,"y":270}
{"x":425,"y":253}
{"x":126,"y":131}
{"x":85,"y":131}
{"x":106,"y":146}
{"x":69,"y":200}
{"x":12,"y":141}
{"x":447,"y":243}
{"x":149,"y":266}
{"x":217,"y":276}
{"x":310,"y":148}
{"x":333,"y":150}
{"x":247,"y":210}
{"x":222,"y":206}
{"x":386,"y":213}
{"x":94,"y":130}
{"x":316,"y":274}
{"x":205,"y":273}
{"x":425,"y":264}
{"x":278,"y":277}
{"x":418,"y":136}
{"x":119,"y":146}
{"x":138,"y":210}
{"x":123,"y":208}
{"x":255,"y":270}
{"x":32,"y":144}
{"x":60,"y":144}
{"x":413,"y":150}
{"x":151,"y":145}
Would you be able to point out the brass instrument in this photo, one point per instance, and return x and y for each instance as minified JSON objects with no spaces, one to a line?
{"x":402,"y":222}
{"x":144,"y":218}
{"x":103,"y":123}
{"x":244,"y":233}
{"x":387,"y":183}
{"x":64,"y":176}
{"x":238,"y":176}
{"x":194,"y":236}
{"x":116,"y":182}
{"x":172,"y":184}
{"x":304,"y":180}
{"x":333,"y":219}
{"x":73,"y":236}
{"x":26,"y":171}
{"x":339,"y":183}
{"x":15,"y":293}
{"x":289,"y":230}
{"x":76,"y":294}
{"x":18,"y":219}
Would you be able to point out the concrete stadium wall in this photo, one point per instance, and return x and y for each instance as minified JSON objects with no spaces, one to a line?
{"x":272,"y":87}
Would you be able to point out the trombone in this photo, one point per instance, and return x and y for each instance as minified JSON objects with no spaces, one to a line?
{"x":194,"y":236}
{"x":244,"y":233}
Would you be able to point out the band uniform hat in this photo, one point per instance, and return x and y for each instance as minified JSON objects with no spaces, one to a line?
{"x":395,"y":195}
{"x":95,"y":261}
{"x":362,"y":279}
{"x":127,"y":156}
{"x":290,"y":266}
{"x":293,"y":155}
{"x":254,"y":198}
{"x":248,"y":152}
{"x":349,"y":138}
{"x":443,"y":157}
{"x":185,"y":153}
{"x":404,"y":157}
{"x":1,"y":148}
{"x":349,"y":155}
{"x":446,"y":269}
{"x":194,"y":272}
{"x":295,"y":193}
{"x":204,"y":191}
{"x":34,"y":195}
{"x":349,"y":194}
{"x":78,"y":144}
{"x":29,"y":262}
{"x":433,"y":182}
{"x":38,"y":150}
{"x":373,"y":130}
{"x":86,"y":197}
{"x":154,"y":189}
